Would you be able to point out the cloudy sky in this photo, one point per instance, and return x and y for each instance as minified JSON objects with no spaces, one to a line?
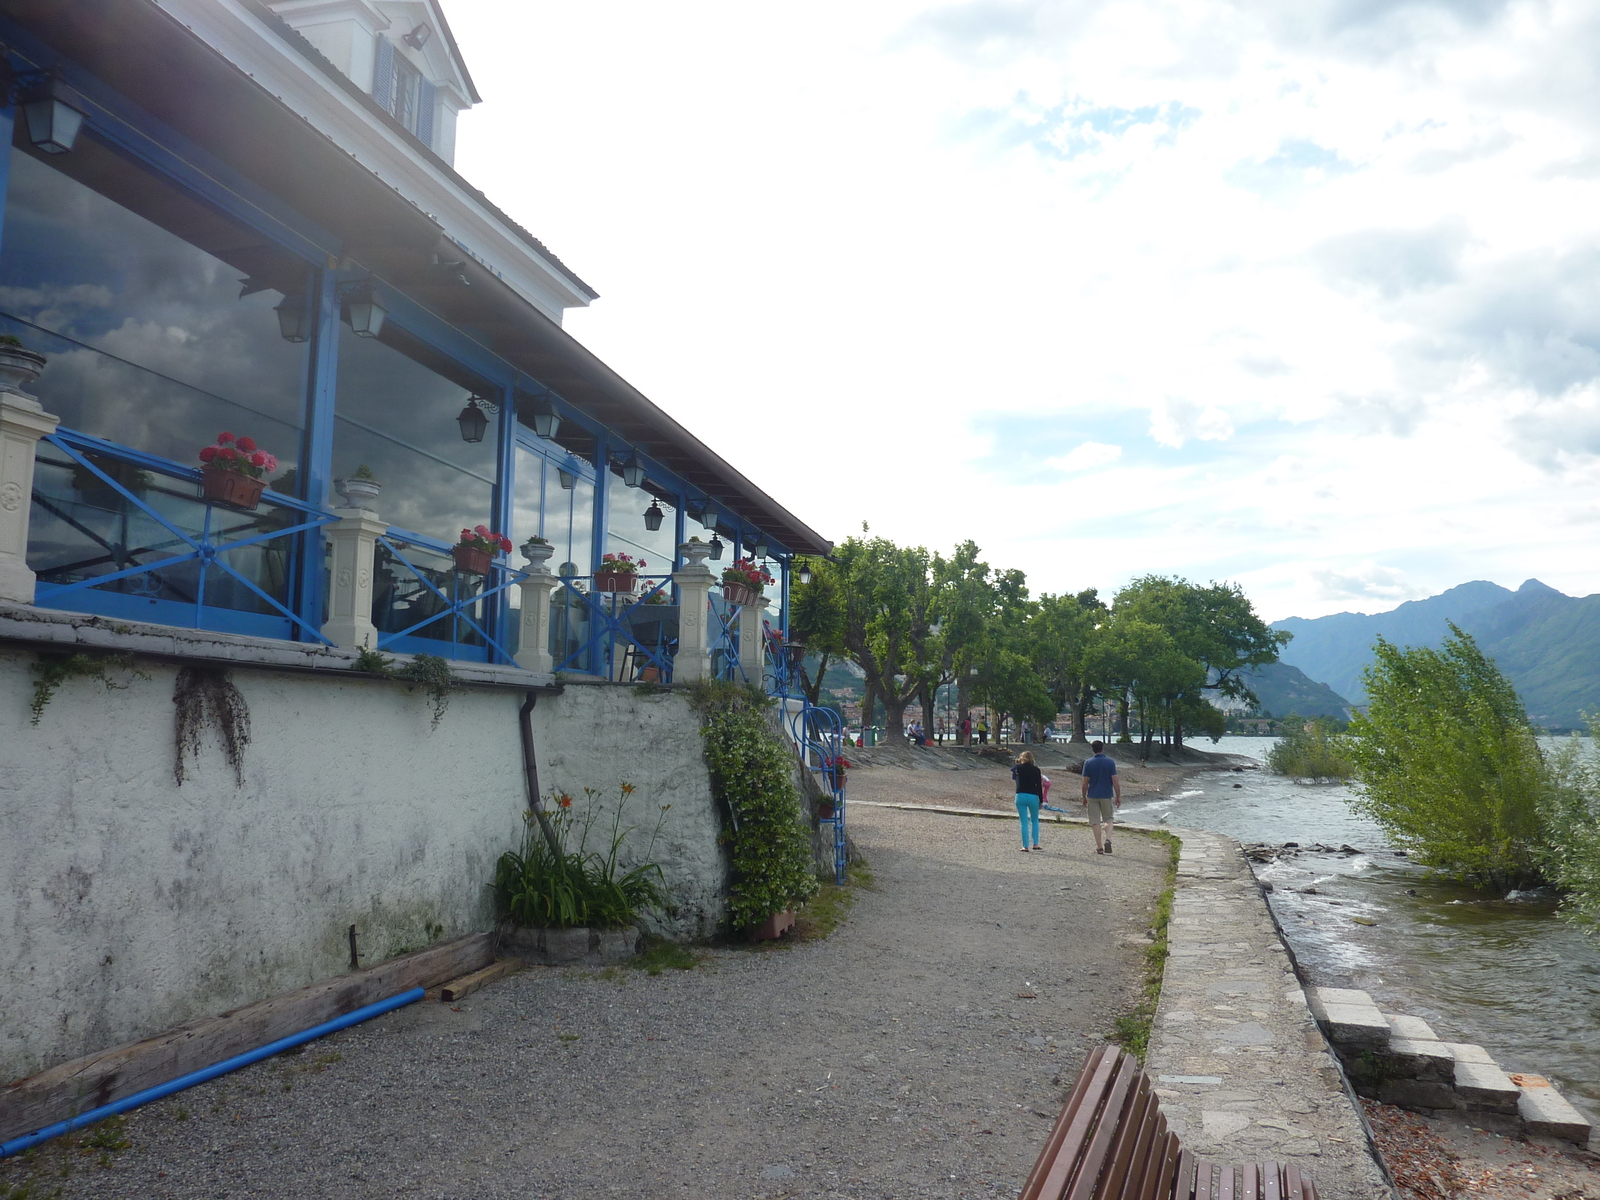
{"x":1304,"y":295}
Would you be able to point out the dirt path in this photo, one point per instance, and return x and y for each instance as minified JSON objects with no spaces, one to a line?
{"x":897,"y":1058}
{"x":990,"y":786}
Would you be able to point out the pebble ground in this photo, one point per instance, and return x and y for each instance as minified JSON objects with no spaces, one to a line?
{"x":920,"y":1051}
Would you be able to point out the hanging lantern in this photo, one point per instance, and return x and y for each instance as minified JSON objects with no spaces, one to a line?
{"x":709,"y":516}
{"x":652,"y":517}
{"x":473,"y":421}
{"x":53,"y":123}
{"x":365,"y":314}
{"x":292,"y":319}
{"x":805,"y":573}
{"x":760,"y":547}
{"x":716,"y":547}
{"x":633,"y":472}
{"x":545,"y":421}
{"x":569,"y":479}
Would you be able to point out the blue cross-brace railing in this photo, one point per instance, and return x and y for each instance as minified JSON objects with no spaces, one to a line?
{"x":818,"y":735}
{"x":643,"y":626}
{"x":456,"y":607}
{"x":724,"y":640}
{"x":199,"y":548}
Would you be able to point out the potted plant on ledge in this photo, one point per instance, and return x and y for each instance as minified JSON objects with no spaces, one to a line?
{"x":361,"y":489}
{"x":617,"y":573}
{"x":743,"y":582}
{"x":475,"y":552}
{"x":235,"y":471}
{"x":19,"y":366}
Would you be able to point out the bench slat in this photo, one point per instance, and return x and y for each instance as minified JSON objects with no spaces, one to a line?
{"x":1145,"y":1160}
{"x":1052,"y":1173}
{"x":1113,"y":1182}
{"x":1095,"y":1157}
{"x":1163,"y":1183}
{"x":1272,"y":1188}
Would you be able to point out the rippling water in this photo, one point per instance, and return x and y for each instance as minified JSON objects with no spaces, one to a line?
{"x":1508,"y":975}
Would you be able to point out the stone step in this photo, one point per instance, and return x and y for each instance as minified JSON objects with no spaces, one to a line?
{"x":1413,"y":1029}
{"x":1546,"y":1113}
{"x":1465,"y":1052}
{"x":1423,"y":1059}
{"x":1484,"y":1087}
{"x":1351,"y":1019}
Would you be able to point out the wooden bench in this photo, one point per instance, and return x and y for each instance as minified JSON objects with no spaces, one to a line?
{"x":1111,"y":1142}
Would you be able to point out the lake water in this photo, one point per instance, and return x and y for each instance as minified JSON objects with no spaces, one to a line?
{"x":1508,"y":975}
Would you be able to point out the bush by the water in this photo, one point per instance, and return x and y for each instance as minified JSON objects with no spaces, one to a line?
{"x":1310,"y":750}
{"x":1570,"y":810}
{"x":563,"y":886}
{"x":1449,"y":766}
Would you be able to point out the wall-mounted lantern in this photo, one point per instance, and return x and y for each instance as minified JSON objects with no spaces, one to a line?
{"x":473,"y":421}
{"x":652,"y":516}
{"x":293,"y":319}
{"x":709,"y":516}
{"x":633,"y":472}
{"x":53,"y":123}
{"x":716,"y":547}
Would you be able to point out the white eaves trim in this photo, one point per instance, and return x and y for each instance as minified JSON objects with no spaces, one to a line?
{"x":239,"y":36}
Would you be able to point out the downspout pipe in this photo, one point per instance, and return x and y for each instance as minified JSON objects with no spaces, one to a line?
{"x":28,"y":1140}
{"x":530,"y":774}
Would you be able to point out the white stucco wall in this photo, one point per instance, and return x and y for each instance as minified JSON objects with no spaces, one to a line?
{"x":129,"y":905}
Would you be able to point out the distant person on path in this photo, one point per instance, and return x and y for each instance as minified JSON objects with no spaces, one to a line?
{"x":983,"y":731}
{"x":1100,"y":785}
{"x":1030,"y":791}
{"x":964,"y":732}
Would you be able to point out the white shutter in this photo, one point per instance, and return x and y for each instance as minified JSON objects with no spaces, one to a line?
{"x":426,"y":94}
{"x":383,"y":74}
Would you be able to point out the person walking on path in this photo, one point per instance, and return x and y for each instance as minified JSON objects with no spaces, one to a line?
{"x":1100,"y":786}
{"x":983,"y":731}
{"x":964,"y":732}
{"x":1030,"y":790}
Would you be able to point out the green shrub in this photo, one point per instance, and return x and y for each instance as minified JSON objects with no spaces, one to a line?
{"x":544,"y":886}
{"x":1310,"y":750}
{"x":752,"y":774}
{"x":1448,"y":764}
{"x":1570,"y":810}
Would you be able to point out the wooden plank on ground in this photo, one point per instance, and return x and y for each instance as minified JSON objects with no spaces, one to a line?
{"x":468,"y":984}
{"x":97,"y":1079}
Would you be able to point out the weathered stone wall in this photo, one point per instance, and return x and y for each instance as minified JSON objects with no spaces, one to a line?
{"x":129,"y":904}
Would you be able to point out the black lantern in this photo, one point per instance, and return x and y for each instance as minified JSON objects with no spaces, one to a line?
{"x":652,"y":517}
{"x":545,"y":422}
{"x":473,"y":421}
{"x":292,"y":319}
{"x":805,"y":573}
{"x":53,"y":123}
{"x":709,"y":516}
{"x":633,"y":472}
{"x":365,"y":314}
{"x":716,"y":547}
{"x":569,"y":479}
{"x":760,"y":548}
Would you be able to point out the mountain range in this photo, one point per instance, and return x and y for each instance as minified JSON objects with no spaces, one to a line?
{"x":1547,"y":643}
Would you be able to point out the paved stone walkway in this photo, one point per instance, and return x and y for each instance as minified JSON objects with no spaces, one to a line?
{"x":1242,"y":1070}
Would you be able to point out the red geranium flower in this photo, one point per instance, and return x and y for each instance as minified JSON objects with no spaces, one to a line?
{"x":247,"y":445}
{"x":224,"y":438}
{"x":208,"y":453}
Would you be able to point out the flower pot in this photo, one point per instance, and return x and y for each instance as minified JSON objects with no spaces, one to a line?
{"x":741,"y":594}
{"x":359,"y":493}
{"x":825,"y":810}
{"x":19,"y":368}
{"x":470,"y":560}
{"x":773,"y":927}
{"x":537,"y":553}
{"x":614,"y":581}
{"x":232,"y":488}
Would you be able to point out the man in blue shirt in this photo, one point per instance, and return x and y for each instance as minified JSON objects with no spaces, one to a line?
{"x":1100,"y":787}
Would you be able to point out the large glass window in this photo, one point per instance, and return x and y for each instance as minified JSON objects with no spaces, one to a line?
{"x":156,"y":314}
{"x":395,"y":413}
{"x":625,"y":525}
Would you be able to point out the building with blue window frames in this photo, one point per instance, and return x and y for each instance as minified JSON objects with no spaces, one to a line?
{"x":255,"y":229}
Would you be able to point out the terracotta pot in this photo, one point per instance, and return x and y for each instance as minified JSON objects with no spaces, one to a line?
{"x":614,"y":581}
{"x":825,"y":812}
{"x":773,"y":927}
{"x":470,"y":560}
{"x":232,"y":488}
{"x":741,"y":594}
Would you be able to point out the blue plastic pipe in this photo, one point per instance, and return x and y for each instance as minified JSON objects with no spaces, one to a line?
{"x":27,"y":1140}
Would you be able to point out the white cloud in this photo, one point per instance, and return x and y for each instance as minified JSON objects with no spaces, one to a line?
{"x":1082,"y":458}
{"x":1174,"y":422}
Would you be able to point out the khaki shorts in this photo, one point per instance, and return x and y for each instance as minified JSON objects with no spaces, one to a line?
{"x":1100,"y":810}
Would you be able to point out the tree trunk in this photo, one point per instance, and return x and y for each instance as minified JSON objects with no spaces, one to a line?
{"x":963,"y":709}
{"x":894,"y":718}
{"x":1177,"y":732}
{"x":1122,"y":718}
{"x":868,"y":698}
{"x":1080,"y":714}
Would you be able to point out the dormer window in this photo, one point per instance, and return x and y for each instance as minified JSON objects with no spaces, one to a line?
{"x":400,"y":88}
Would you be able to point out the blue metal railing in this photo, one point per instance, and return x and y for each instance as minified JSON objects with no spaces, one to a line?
{"x":421,"y":604}
{"x":626,"y":636}
{"x":148,"y":568}
{"x":818,"y":735}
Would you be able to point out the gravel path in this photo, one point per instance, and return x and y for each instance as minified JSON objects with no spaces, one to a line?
{"x":897,"y":1058}
{"x":990,"y":786}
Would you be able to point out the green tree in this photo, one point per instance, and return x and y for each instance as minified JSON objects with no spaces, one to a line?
{"x":1143,"y":659}
{"x":1448,"y":764}
{"x":1061,"y":630}
{"x":817,"y":620}
{"x":887,"y":594}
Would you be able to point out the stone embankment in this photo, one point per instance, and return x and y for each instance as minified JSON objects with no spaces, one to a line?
{"x":1400,"y":1060}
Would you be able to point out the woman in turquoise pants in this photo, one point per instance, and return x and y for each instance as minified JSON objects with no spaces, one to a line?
{"x":1030,"y":787}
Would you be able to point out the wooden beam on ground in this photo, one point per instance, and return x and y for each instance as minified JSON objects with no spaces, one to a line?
{"x":468,"y":984}
{"x":85,"y":1083}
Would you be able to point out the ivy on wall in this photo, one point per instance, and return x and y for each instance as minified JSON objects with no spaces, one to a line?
{"x":752,"y":774}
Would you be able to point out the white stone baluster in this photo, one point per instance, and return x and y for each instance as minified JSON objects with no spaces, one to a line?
{"x":694,"y":580}
{"x":752,"y":642}
{"x":23,"y":422}
{"x":533,"y":647}
{"x":355,"y":540}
